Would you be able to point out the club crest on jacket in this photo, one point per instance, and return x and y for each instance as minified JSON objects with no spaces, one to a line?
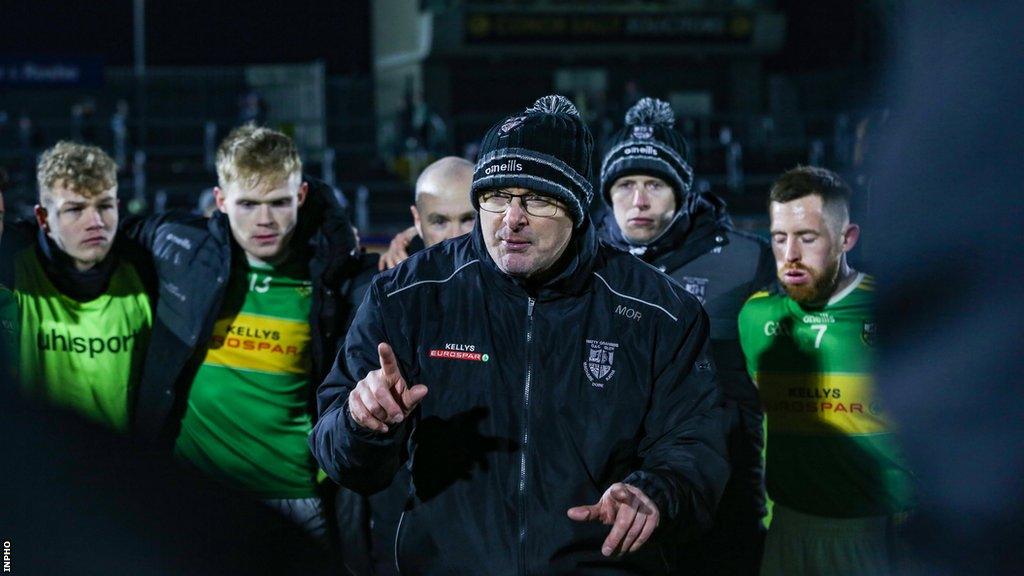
{"x":599,"y":364}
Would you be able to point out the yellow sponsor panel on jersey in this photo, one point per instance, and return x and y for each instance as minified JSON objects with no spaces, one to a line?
{"x":260,"y":343}
{"x":821,"y":404}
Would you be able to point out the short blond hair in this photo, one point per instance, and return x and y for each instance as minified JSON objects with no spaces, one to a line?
{"x":80,"y":168}
{"x":250,"y":154}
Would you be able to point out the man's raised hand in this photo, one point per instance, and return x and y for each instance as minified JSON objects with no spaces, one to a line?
{"x":631,"y":513}
{"x":397,"y":250}
{"x":383,"y":397}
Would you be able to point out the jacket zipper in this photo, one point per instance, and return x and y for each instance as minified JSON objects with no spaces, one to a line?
{"x":526,"y":437}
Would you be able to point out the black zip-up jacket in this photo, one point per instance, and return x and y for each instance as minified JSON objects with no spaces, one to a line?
{"x":719,"y":265}
{"x":539,"y":399}
{"x":191,"y":262}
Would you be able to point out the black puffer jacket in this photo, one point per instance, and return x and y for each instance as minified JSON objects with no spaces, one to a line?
{"x":190,"y":265}
{"x":539,"y":399}
{"x":719,"y":265}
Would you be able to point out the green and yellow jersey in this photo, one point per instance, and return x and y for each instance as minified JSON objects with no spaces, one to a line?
{"x":84,"y":356}
{"x":830,"y":446}
{"x":248,"y":419}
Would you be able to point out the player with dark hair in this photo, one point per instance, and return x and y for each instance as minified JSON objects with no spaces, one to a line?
{"x":838,"y":480}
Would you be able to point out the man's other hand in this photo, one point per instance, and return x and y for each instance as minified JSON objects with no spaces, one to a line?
{"x":632,"y":515}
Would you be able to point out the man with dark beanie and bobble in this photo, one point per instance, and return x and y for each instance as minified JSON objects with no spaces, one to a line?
{"x":554,"y":399}
{"x":646,"y":178}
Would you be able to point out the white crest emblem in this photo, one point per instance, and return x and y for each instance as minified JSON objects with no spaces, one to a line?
{"x":696,"y":286}
{"x":868,"y":334}
{"x":511,"y":124}
{"x":598,"y":365}
{"x":643,"y":132}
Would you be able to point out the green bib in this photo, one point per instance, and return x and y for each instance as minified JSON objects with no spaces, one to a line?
{"x":248,"y":420}
{"x":830,"y":446}
{"x":86,"y":356}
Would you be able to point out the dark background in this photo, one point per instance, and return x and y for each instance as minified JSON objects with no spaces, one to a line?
{"x":194,"y":32}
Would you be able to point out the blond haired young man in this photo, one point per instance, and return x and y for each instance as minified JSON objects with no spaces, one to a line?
{"x":251,"y":305}
{"x":83,"y":311}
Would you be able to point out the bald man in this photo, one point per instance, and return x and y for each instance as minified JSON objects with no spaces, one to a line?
{"x":442,"y":208}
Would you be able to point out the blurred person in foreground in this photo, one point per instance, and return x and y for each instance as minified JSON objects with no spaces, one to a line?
{"x":947,"y":176}
{"x":83,"y":310}
{"x":840,"y":485}
{"x":442,"y":210}
{"x":554,"y":399}
{"x":82,"y":498}
{"x":646,"y":178}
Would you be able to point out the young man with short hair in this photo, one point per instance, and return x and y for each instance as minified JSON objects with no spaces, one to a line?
{"x":83,"y":311}
{"x":250,"y":312}
{"x":837,"y":478}
{"x":647,"y":179}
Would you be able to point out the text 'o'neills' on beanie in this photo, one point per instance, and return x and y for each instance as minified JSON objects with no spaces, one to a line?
{"x":547,"y":148}
{"x":649,"y":145}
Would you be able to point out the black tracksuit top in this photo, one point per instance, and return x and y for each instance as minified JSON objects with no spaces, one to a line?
{"x":539,"y":399}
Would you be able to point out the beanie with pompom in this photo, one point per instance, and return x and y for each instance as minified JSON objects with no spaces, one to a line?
{"x":649,"y":145}
{"x":547,"y":148}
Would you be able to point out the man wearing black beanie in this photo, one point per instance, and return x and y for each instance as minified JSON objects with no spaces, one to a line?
{"x":538,"y":386}
{"x":646,"y":179}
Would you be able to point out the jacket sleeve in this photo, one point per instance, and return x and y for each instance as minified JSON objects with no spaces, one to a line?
{"x":354,"y":457}
{"x":683,"y":462}
{"x":140,"y":231}
{"x":764,"y":277}
{"x":137,"y":241}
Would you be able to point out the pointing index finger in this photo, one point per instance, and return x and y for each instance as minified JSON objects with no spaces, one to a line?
{"x":388,"y":364}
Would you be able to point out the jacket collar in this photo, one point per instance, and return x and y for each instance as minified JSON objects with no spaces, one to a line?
{"x":691,"y":233}
{"x":60,"y":269}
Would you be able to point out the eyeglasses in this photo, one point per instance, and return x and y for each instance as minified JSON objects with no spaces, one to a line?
{"x":498,"y":202}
